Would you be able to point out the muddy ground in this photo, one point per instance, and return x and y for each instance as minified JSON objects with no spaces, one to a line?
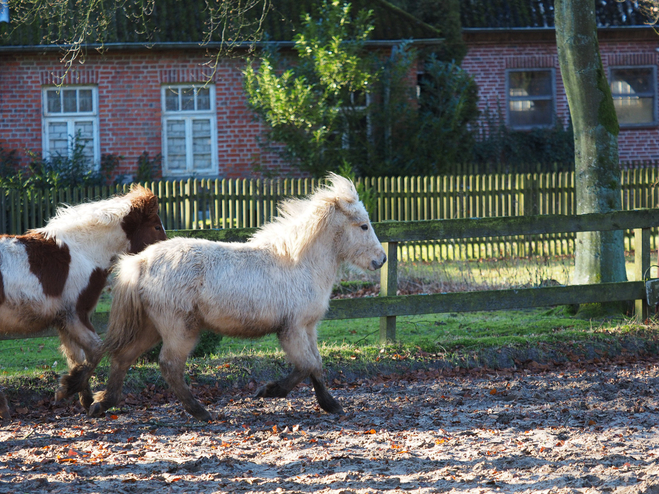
{"x":589,"y":427}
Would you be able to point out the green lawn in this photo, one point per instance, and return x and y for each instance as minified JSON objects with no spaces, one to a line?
{"x":434,"y":334}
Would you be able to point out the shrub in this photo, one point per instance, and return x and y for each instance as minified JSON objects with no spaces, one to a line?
{"x":498,"y":148}
{"x":148,"y":168}
{"x":431,"y":137}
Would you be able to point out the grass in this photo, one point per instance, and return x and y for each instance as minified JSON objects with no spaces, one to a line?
{"x":357,"y":341}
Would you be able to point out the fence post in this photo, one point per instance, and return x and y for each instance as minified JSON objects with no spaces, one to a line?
{"x":388,"y":288}
{"x":641,"y":268}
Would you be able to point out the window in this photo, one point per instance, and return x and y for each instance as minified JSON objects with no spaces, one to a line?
{"x":357,"y":124}
{"x":189,"y":128}
{"x":633,"y":90}
{"x":530,"y":98}
{"x":70,"y":117}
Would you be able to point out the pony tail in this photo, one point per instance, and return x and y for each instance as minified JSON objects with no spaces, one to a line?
{"x":127,"y":312}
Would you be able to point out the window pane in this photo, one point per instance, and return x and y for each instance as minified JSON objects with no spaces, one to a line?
{"x":201,"y":144}
{"x":187,"y":99}
{"x":632,"y":81}
{"x":530,"y":113}
{"x":58,"y":138}
{"x":69,"y":97}
{"x":54,"y":102}
{"x":86,"y":104}
{"x":358,"y":99}
{"x":634,"y":110}
{"x":84,"y":132}
{"x":532,"y":83}
{"x":175,"y":144}
{"x":171,"y":99}
{"x":203,"y":99}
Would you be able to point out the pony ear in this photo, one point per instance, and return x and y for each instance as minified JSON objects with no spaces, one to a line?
{"x":347,"y":205}
{"x":151,"y":204}
{"x":144,"y":200}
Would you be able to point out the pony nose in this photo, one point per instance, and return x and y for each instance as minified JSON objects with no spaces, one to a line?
{"x":379,"y":264}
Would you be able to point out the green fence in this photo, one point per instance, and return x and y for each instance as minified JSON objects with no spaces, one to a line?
{"x":389,"y":305}
{"x":226,"y":203}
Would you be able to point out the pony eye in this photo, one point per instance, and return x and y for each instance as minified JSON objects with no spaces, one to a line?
{"x":364,"y":227}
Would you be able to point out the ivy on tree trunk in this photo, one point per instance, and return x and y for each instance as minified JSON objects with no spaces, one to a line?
{"x":599,"y":256}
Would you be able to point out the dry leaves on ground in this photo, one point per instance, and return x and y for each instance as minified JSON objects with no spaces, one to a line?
{"x":572,"y":429}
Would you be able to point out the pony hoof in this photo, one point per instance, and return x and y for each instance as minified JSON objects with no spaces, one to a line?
{"x":95,"y":409}
{"x":60,"y":394}
{"x":271,"y":390}
{"x":331,"y":406}
{"x":335,"y":410}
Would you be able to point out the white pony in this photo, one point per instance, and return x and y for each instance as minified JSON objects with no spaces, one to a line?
{"x":279,"y":282}
{"x":53,"y":276}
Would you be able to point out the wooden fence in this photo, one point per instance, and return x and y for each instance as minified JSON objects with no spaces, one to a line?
{"x":203,"y":204}
{"x":389,"y":305}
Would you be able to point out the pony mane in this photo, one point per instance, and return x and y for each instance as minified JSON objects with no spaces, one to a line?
{"x":303,"y":219}
{"x":105,"y":213}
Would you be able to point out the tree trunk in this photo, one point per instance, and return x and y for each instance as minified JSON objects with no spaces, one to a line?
{"x":599,"y":256}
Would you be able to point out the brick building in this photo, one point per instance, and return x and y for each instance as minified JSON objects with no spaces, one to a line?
{"x":513,"y":58}
{"x":150,"y":93}
{"x":158,"y":94}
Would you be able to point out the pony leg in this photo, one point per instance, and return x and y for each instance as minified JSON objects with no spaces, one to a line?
{"x":301,"y":349}
{"x":281,"y":388}
{"x":77,"y":381}
{"x":297,"y":346}
{"x":121,"y":360}
{"x":4,"y":409}
{"x":173,"y":356}
{"x":325,"y":400}
{"x":79,"y":342}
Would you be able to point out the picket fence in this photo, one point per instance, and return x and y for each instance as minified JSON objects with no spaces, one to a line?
{"x":247,"y":203}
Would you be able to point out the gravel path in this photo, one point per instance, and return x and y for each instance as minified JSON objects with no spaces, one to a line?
{"x":588,"y":428}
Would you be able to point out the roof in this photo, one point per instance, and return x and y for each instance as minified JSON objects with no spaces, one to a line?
{"x":184,"y":22}
{"x":511,"y":14}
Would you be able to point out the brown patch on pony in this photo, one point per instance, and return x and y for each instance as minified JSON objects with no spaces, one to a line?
{"x":142,"y":224}
{"x":89,"y":296}
{"x":49,"y":262}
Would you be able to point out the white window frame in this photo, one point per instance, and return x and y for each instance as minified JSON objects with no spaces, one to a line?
{"x":345,"y":137}
{"x":188,"y":116}
{"x":653,"y":93}
{"x":71,"y":119}
{"x":523,"y":98}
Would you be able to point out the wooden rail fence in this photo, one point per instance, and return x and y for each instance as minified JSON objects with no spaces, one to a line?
{"x":389,"y":305}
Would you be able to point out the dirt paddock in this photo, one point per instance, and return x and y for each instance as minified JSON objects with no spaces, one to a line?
{"x":589,"y":428}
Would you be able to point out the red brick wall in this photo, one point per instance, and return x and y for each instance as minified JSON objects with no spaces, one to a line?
{"x":129,"y":85}
{"x":488,"y":62}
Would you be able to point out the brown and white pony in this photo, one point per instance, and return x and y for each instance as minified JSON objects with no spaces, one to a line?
{"x":279,"y":282}
{"x":53,"y":276}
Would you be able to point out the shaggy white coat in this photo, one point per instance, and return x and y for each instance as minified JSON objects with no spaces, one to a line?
{"x":279,"y":281}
